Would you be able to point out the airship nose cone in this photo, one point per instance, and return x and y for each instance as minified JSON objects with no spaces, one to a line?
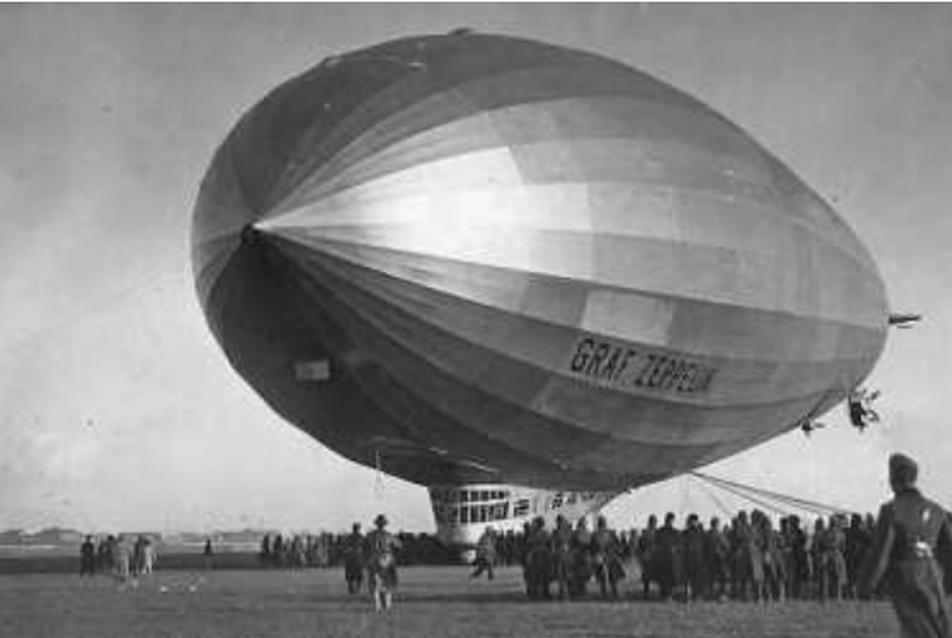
{"x":249,"y":235}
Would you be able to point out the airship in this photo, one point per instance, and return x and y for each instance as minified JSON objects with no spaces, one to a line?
{"x":527,"y":277}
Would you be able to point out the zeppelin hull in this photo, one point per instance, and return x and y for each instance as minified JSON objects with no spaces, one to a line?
{"x":520,"y":263}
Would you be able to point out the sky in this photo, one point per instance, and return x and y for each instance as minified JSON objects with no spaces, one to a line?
{"x":119,"y":411}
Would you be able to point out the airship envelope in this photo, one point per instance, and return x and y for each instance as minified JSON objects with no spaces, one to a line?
{"x":472,"y":258}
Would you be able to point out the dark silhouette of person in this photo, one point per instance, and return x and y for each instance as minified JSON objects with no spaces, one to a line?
{"x":207,"y":553}
{"x":355,"y":552}
{"x":911,"y":532}
{"x":87,"y":557}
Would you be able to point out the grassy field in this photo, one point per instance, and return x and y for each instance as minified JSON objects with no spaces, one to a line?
{"x":432,"y":601}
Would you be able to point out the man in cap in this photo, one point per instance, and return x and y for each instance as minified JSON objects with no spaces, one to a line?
{"x":909,"y":531}
{"x":382,"y":564}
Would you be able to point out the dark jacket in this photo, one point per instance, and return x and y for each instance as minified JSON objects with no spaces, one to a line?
{"x":910,"y":533}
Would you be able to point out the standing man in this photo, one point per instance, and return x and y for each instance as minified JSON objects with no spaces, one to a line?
{"x":560,"y":546}
{"x":717,"y":552}
{"x":606,"y":556}
{"x":668,"y":558}
{"x":909,"y":531}
{"x":382,"y":563}
{"x":648,"y":555}
{"x":122,"y":555}
{"x":537,"y":565}
{"x":148,"y":556}
{"x":354,"y":559}
{"x":207,"y":554}
{"x":87,"y":558}
{"x":695,"y":565}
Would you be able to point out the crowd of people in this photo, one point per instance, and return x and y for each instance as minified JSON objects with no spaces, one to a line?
{"x":750,"y":558}
{"x":118,"y":557}
{"x":906,"y":553}
{"x":296,"y":551}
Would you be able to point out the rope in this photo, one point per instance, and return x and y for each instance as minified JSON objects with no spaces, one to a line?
{"x":743,"y":491}
{"x":753,"y":499}
{"x":727,"y":512}
{"x":378,"y":479}
{"x":797,"y":503}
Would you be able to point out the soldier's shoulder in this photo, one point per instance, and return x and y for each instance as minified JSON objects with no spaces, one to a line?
{"x":934,"y":504}
{"x":936,"y":507}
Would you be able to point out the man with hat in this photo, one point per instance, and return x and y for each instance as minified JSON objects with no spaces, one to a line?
{"x":381,"y":563}
{"x":909,"y":531}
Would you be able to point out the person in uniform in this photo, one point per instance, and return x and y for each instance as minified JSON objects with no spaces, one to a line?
{"x":560,"y":546}
{"x":122,"y":555}
{"x":207,"y":554}
{"x":138,"y":556}
{"x":537,"y":564}
{"x":354,"y":551}
{"x":580,"y":559}
{"x":669,"y":554}
{"x":857,"y":543}
{"x":717,"y":550}
{"x":648,"y":555}
{"x":911,"y":532}
{"x":104,"y":554}
{"x":382,"y":563}
{"x":822,"y":552}
{"x":742,"y":542}
{"x":485,"y":554}
{"x":606,"y":557}
{"x":756,"y":550}
{"x":695,"y":567}
{"x":148,"y":556}
{"x":87,"y":557}
{"x":799,"y":567}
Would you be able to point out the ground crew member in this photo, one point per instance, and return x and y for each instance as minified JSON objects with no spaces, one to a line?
{"x":537,"y":565}
{"x":580,"y":562}
{"x":606,"y":556}
{"x":87,"y":557}
{"x":148,"y":556}
{"x":909,"y":533}
{"x":648,"y":555}
{"x":354,"y":559}
{"x":560,"y":546}
{"x":695,"y":566}
{"x":485,"y":554}
{"x":105,"y":554}
{"x":382,"y":563}
{"x":122,"y":557}
{"x":742,"y":542}
{"x":668,"y":558}
{"x":207,"y":554}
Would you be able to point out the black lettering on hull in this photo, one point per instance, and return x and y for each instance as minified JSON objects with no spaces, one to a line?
{"x":618,"y":365}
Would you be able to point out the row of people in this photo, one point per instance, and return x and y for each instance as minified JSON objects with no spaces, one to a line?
{"x":750,"y":559}
{"x":328,"y":550}
{"x":569,"y":558}
{"x":300,"y":550}
{"x":116,"y":556}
